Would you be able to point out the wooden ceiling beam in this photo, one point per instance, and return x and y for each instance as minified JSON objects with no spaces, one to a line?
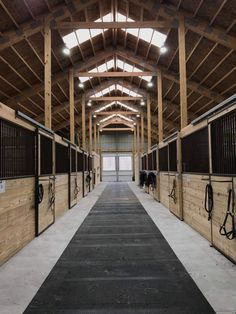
{"x":170,"y":75}
{"x":60,"y":76}
{"x":116,"y":129}
{"x":196,"y":25}
{"x":108,"y":113}
{"x":115,"y":98}
{"x":25,"y":30}
{"x":111,"y":25}
{"x":115,"y":74}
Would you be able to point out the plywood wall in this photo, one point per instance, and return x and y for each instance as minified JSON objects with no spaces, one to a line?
{"x":45,"y":211}
{"x":17,"y":216}
{"x":194,"y":212}
{"x":62,"y":201}
{"x":164,"y":188}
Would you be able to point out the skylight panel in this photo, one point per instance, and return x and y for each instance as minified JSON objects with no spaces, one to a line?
{"x":125,"y":118}
{"x":104,"y":91}
{"x":107,"y":118}
{"x":158,"y":39}
{"x":70,"y":40}
{"x":105,"y":107}
{"x":83,"y":35}
{"x":127,"y":107}
{"x":127,"y":91}
{"x":120,"y":64}
{"x":146,"y":34}
{"x":128,"y":67}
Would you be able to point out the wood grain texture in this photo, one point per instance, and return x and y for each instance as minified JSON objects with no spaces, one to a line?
{"x":17,"y":216}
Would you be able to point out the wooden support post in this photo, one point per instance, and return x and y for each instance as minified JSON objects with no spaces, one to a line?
{"x":72,"y":106}
{"x":47,"y":76}
{"x":182,"y":71}
{"x":98,"y":143}
{"x":142,"y":133}
{"x":135,"y":141}
{"x":95,"y":136}
{"x":149,"y":121}
{"x":83,"y":123}
{"x":138,"y":138}
{"x":160,"y":106}
{"x":90,"y":133}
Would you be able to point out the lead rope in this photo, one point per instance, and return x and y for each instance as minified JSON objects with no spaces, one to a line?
{"x":51,"y":194}
{"x":173,"y":192}
{"x":77,"y":189}
{"x":229,"y":214}
{"x":209,"y":202}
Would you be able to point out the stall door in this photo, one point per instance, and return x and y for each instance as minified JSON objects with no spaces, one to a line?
{"x":117,"y":167}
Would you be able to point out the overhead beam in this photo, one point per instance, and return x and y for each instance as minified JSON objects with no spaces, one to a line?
{"x":197,"y":25}
{"x":114,"y":74}
{"x":111,"y":25}
{"x":25,"y":30}
{"x":108,"y":113}
{"x":115,"y":98}
{"x":170,"y":75}
{"x":117,"y":129}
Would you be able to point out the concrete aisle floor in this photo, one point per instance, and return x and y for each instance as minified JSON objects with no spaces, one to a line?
{"x":21,"y":277}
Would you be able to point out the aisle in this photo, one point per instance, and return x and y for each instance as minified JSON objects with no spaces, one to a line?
{"x":118,"y":262}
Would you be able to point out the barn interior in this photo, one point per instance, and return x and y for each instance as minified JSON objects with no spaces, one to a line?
{"x":117,"y":156}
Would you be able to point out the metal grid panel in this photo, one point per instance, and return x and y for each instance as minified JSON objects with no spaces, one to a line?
{"x":46,"y":155}
{"x":17,"y":151}
{"x":195,"y":152}
{"x":163,"y":159}
{"x":62,"y":158}
{"x":223,"y":140}
{"x":172,"y":156}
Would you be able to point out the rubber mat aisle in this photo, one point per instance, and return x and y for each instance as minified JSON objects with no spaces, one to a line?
{"x":118,"y":262}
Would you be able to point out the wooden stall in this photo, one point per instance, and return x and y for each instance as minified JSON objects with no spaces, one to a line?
{"x":17,"y":183}
{"x":209,"y":171}
{"x":73,"y":184}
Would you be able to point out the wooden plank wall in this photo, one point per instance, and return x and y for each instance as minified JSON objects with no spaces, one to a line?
{"x":17,"y":216}
{"x":96,"y":167}
{"x":61,"y":201}
{"x":164,"y":188}
{"x":73,"y":190}
{"x":194,"y":213}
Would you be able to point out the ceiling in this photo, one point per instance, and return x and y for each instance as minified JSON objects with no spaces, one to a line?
{"x":210,"y":51}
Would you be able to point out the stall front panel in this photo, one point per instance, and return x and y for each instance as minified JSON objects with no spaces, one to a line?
{"x":80,"y":175}
{"x":17,"y":183}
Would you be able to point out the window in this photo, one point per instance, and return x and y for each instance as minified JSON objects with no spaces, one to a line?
{"x":125,"y":163}
{"x":73,"y":160}
{"x":150,"y":166}
{"x":109,"y":163}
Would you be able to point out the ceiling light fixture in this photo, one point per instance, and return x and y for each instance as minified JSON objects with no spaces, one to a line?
{"x":142,"y":103}
{"x":66,"y":51}
{"x":149,"y":84}
{"x":94,"y":116}
{"x":163,"y":50}
{"x":138,"y":115}
{"x":89,"y":104}
{"x":81,"y":85}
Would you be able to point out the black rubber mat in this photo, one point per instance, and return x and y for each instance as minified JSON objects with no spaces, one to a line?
{"x":119,"y":262}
